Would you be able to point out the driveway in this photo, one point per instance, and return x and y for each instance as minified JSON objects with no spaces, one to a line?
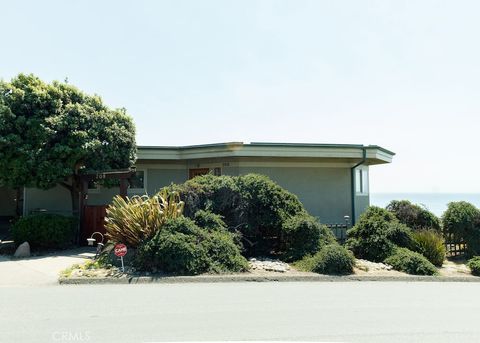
{"x":40,"y":270}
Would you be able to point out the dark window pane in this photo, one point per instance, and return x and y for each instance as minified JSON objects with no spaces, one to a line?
{"x":137,"y":181}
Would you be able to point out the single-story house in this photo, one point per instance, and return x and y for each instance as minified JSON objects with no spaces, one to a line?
{"x":331,"y":180}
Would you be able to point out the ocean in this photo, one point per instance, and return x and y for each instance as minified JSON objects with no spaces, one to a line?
{"x":435,"y":202}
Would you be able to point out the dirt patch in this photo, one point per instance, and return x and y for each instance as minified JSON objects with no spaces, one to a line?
{"x":454,"y":268}
{"x":269,"y":268}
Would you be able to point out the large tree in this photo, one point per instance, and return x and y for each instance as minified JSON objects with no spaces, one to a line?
{"x":50,"y":133}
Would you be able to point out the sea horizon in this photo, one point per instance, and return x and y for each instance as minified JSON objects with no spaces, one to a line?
{"x":434,"y":202}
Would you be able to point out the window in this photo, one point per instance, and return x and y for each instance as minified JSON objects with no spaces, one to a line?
{"x":137,"y":182}
{"x":197,"y":171}
{"x":93,"y":187}
{"x":361,"y":181}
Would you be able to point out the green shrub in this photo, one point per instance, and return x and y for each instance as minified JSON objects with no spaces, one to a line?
{"x":252,"y":204}
{"x":209,"y":220}
{"x":410,"y":262}
{"x":181,"y":247}
{"x":217,"y":194}
{"x":400,"y":235}
{"x":430,"y":244}
{"x":474,"y":265}
{"x":414,"y":216}
{"x":304,"y":235}
{"x":223,"y":253}
{"x":461,"y":220}
{"x":370,"y":238}
{"x":45,"y":231}
{"x":133,"y":220}
{"x":331,"y":259}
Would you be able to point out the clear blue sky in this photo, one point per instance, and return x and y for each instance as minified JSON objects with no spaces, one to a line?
{"x":401,"y":74}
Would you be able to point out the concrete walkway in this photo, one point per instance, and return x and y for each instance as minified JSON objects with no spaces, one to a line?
{"x":40,"y":270}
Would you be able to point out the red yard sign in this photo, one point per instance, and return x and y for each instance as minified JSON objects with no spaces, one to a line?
{"x":120,"y":250}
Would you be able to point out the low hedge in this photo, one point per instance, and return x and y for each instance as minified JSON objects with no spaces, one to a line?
{"x":251,"y":204}
{"x":369,"y":238}
{"x":332,"y":259}
{"x":474,"y":265}
{"x":182,"y":247}
{"x":461,"y":221}
{"x":45,"y":231}
{"x":304,"y":235}
{"x":410,"y":262}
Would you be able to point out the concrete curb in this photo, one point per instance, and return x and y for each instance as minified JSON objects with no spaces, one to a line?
{"x":256,"y":278}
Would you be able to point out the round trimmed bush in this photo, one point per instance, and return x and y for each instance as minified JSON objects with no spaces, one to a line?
{"x":332,"y":259}
{"x":400,"y":235}
{"x":369,"y":238}
{"x":181,"y":247}
{"x":252,"y":204}
{"x":430,"y":244}
{"x":410,"y":262}
{"x":304,"y":235}
{"x":474,"y":265}
{"x":461,"y":220}
{"x":414,"y":216}
{"x":45,"y":231}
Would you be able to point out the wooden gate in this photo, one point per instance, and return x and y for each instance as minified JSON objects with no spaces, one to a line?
{"x":93,"y":221}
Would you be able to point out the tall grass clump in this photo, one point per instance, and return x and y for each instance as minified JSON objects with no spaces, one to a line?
{"x":133,"y":220}
{"x":430,"y":244}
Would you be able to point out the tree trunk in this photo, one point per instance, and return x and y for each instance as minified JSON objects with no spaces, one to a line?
{"x":75,"y":193}
{"x":18,"y":202}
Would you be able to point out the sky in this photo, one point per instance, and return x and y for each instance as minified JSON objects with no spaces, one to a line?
{"x":404,"y":75}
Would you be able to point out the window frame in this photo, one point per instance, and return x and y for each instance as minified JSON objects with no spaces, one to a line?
{"x":139,"y":190}
{"x":362,"y":184}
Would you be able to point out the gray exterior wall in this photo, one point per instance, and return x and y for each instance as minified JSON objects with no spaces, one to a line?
{"x":324,"y":189}
{"x":159,"y":178}
{"x":361,"y":204}
{"x":55,"y":200}
{"x":325,"y":192}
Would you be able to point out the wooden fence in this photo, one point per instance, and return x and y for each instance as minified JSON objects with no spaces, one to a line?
{"x":339,"y":230}
{"x":455,"y":246}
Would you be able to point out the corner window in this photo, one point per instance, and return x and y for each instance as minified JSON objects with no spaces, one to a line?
{"x":361,"y":181}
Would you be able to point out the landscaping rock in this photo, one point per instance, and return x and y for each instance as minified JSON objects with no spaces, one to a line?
{"x":371,"y":266}
{"x":23,"y":250}
{"x":268,"y":265}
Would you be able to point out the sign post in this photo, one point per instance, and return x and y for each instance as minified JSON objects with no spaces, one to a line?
{"x":120,"y":250}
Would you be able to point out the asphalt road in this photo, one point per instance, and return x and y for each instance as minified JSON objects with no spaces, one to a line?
{"x":316,"y":311}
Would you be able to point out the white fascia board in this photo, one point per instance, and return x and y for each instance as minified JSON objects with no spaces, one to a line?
{"x":374,"y":154}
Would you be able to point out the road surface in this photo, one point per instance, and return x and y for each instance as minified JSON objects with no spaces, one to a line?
{"x":315,"y":311}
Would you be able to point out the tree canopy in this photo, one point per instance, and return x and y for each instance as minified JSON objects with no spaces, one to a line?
{"x":50,"y":132}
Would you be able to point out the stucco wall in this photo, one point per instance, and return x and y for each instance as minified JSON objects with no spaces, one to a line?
{"x":102,"y":196}
{"x":7,"y":202}
{"x":56,"y":200}
{"x":159,"y":178}
{"x":325,"y":192}
{"x":361,"y":204}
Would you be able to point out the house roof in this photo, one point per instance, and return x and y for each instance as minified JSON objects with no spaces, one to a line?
{"x":336,"y":152}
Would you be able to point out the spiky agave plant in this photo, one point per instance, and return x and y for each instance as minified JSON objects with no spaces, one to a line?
{"x":133,"y":220}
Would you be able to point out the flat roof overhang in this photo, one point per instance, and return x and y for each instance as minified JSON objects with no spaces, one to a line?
{"x":351,"y":153}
